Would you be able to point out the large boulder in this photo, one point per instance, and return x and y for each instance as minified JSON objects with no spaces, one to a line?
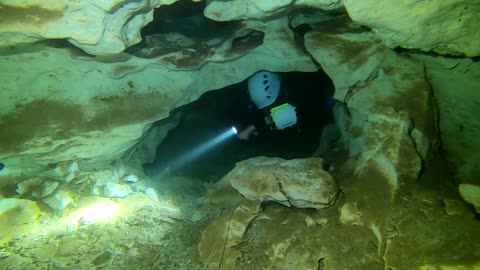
{"x":301,"y":183}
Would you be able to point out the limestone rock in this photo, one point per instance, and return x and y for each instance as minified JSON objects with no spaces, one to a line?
{"x":247,"y":9}
{"x":112,"y":190}
{"x":130,"y":178}
{"x":388,"y":121}
{"x":342,"y":47}
{"x":349,"y":214}
{"x":103,"y":180}
{"x":300,"y":182}
{"x":36,"y":187}
{"x":320,"y":4}
{"x":455,"y":85}
{"x":26,"y":186}
{"x":445,"y":27}
{"x":59,"y":200}
{"x":46,"y":189}
{"x":251,"y":9}
{"x":66,"y":171}
{"x":471,"y":194}
{"x":98,"y":28}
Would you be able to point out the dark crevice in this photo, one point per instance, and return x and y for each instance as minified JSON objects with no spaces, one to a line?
{"x":321,"y":264}
{"x":401,"y":50}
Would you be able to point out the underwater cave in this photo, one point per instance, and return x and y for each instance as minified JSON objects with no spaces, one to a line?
{"x":218,"y":110}
{"x":239,"y":134}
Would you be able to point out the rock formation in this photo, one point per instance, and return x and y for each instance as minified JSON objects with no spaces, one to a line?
{"x":84,"y":100}
{"x":300,"y":183}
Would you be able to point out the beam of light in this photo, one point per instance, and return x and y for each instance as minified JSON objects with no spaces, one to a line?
{"x":91,"y":210}
{"x":201,"y":149}
{"x":97,"y":212}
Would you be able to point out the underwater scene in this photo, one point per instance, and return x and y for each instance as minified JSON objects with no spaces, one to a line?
{"x":239,"y":135}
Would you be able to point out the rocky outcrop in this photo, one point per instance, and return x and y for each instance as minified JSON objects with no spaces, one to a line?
{"x":444,"y":27}
{"x":301,"y":183}
{"x":242,"y":10}
{"x":389,"y":118}
{"x":320,"y":4}
{"x":455,"y":84}
{"x":98,"y":28}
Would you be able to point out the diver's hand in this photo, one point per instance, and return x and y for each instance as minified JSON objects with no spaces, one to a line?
{"x":246,"y":133}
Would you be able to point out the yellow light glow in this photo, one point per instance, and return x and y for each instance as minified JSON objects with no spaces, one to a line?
{"x":97,"y":212}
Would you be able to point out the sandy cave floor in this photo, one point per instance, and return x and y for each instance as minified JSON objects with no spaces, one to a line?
{"x":132,"y":233}
{"x":426,"y":221}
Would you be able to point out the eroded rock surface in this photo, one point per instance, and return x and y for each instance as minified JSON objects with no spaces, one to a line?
{"x":98,"y":28}
{"x":445,"y":27}
{"x":388,"y":120}
{"x":238,"y":10}
{"x":455,"y":84}
{"x":59,"y":105}
{"x":301,"y":183}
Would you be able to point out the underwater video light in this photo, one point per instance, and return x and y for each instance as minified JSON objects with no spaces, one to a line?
{"x":234,"y":130}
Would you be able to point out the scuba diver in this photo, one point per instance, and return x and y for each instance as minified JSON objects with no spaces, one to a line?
{"x":272,"y":112}
{"x":275,"y":109}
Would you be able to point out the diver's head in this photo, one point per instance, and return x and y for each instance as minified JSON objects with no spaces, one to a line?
{"x":263,"y":88}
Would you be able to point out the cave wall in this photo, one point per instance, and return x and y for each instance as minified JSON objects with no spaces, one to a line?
{"x":96,"y":27}
{"x":401,"y":69}
{"x":58,"y":104}
{"x":456,"y":83}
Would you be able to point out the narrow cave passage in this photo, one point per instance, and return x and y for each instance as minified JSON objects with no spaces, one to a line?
{"x":219,"y":110}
